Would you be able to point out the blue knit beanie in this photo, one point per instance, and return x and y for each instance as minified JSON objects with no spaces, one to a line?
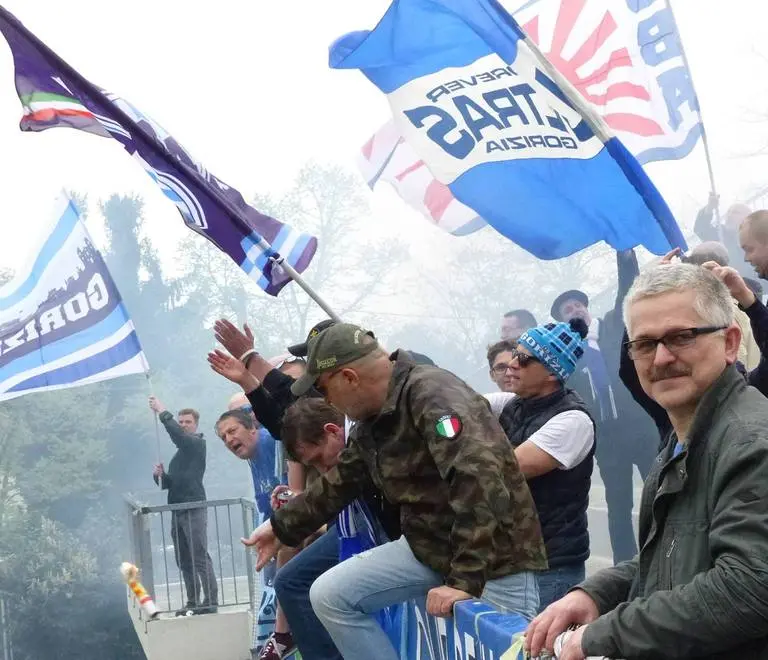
{"x":558,"y":346}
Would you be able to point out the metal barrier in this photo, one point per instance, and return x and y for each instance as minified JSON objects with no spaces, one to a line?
{"x":153,"y":550}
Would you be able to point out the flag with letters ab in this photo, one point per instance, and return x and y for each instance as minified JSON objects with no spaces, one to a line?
{"x":54,"y":94}
{"x":509,"y":136}
{"x":62,"y":321}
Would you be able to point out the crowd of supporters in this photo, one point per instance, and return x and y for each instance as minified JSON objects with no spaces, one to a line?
{"x":441,"y":492}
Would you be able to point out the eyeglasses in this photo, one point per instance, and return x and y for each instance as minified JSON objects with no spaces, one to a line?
{"x":673,"y":341}
{"x":523,"y":359}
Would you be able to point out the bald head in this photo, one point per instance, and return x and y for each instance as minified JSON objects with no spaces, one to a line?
{"x":753,"y":236}
{"x":237,"y":401}
{"x":709,"y":251}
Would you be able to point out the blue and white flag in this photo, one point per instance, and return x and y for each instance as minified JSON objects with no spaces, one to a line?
{"x":506,"y":132}
{"x":62,"y":321}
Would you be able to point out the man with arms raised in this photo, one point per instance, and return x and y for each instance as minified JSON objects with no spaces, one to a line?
{"x":697,"y":588}
{"x":433,"y":446}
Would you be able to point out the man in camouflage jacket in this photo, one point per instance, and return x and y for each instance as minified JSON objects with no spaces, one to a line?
{"x":432,"y":446}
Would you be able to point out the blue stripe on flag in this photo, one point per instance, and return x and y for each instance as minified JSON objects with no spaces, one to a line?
{"x":63,"y":347}
{"x":56,"y":240}
{"x":552,"y":226}
{"x":72,"y":373}
{"x":672,"y":153}
{"x":298,"y":249}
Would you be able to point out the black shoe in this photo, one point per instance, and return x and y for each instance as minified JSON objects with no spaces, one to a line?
{"x":187,"y":610}
{"x":207,"y":609}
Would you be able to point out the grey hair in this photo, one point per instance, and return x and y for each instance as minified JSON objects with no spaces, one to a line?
{"x":712,"y":302}
{"x":709,"y":251}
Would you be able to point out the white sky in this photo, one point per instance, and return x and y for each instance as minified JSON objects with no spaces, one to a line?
{"x":245,"y":86}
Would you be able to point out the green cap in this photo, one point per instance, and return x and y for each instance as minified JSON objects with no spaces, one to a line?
{"x":334,"y":347}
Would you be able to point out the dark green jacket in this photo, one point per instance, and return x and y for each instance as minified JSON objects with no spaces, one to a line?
{"x":699,"y":585}
{"x":184,"y":478}
{"x":465,"y":507}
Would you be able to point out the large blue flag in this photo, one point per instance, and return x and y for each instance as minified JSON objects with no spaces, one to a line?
{"x":62,"y":321}
{"x":506,"y":132}
{"x":54,"y":94}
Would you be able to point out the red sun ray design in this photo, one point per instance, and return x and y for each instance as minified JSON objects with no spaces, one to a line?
{"x":569,"y":12}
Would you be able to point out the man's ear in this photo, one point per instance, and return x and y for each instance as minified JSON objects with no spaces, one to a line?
{"x":330,"y":427}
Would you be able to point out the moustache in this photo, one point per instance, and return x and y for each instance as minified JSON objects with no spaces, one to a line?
{"x":667,"y":372}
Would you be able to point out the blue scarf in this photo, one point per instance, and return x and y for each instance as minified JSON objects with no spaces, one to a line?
{"x":266,"y":472}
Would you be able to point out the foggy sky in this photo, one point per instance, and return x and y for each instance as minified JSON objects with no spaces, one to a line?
{"x":245,"y":86}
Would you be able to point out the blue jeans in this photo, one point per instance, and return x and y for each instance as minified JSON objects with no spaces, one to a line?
{"x":292,"y":586}
{"x":556,"y":582}
{"x":345,"y":597}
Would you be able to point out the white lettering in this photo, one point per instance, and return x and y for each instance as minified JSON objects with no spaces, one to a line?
{"x":51,"y":320}
{"x":98,"y":296}
{"x":76,"y":307}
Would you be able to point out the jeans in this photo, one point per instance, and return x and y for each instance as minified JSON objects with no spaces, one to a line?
{"x":189,"y":531}
{"x":292,"y":586}
{"x":345,"y":596}
{"x":555,"y":583}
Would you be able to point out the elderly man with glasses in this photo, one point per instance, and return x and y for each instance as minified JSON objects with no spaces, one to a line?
{"x":697,"y":588}
{"x":553,"y":436}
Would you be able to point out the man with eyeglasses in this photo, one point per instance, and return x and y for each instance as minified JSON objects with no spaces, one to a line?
{"x":697,"y":588}
{"x":553,"y":436}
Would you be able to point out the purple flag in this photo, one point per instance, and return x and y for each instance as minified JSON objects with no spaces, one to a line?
{"x":54,"y":94}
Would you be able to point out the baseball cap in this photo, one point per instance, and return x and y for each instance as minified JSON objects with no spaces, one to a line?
{"x":300,"y":350}
{"x":334,"y":347}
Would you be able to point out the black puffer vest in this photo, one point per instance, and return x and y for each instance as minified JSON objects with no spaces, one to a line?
{"x":561,"y":496}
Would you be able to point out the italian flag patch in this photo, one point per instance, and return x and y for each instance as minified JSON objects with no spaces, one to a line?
{"x":448,"y":426}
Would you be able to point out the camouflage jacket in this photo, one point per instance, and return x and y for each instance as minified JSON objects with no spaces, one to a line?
{"x":438,"y":452}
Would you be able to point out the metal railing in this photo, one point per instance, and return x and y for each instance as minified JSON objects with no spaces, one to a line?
{"x":152,"y":530}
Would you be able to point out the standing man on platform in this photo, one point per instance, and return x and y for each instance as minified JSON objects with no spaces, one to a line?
{"x":189,"y":527}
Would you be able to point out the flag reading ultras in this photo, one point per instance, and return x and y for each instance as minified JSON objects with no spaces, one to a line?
{"x":53,"y":94}
{"x":504,"y":131}
{"x":624,"y":58}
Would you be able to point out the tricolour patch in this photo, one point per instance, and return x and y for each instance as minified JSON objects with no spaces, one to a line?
{"x":448,"y":426}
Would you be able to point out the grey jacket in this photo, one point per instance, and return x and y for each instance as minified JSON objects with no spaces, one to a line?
{"x":699,"y":585}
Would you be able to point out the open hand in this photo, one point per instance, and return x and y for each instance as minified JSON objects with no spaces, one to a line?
{"x":440,"y":600}
{"x":264,"y":542}
{"x":227,"y":366}
{"x":236,"y":341}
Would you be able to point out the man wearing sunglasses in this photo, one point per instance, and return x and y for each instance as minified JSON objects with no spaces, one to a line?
{"x":553,"y":436}
{"x":697,"y":588}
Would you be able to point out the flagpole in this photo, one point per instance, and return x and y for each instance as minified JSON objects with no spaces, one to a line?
{"x":157,"y":425}
{"x":279,"y":260}
{"x":704,"y":139}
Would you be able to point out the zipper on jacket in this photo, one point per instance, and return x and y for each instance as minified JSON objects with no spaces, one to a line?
{"x":669,"y":562}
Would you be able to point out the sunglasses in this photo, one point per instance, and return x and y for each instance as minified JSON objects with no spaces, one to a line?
{"x":523,"y":359}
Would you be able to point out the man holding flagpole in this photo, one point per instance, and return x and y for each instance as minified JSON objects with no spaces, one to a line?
{"x":189,"y":527}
